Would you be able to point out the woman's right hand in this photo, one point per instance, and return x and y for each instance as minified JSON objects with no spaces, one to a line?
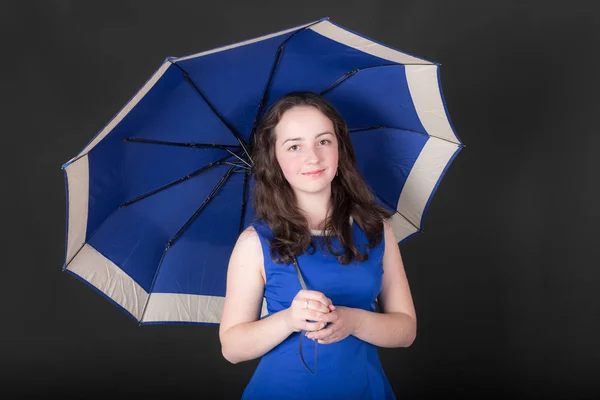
{"x":307,"y":307}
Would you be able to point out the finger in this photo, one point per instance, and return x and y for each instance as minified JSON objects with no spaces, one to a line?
{"x":318,"y":296}
{"x":316,"y":306}
{"x":329,"y":317}
{"x":313,"y":326}
{"x":311,"y":304}
{"x":324,"y":341}
{"x":332,"y":338}
{"x":321,"y":334}
{"x":314,"y":316}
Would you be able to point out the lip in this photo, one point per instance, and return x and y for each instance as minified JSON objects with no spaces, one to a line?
{"x":314,"y":173}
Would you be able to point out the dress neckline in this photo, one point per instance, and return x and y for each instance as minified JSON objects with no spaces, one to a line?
{"x":320,"y":232}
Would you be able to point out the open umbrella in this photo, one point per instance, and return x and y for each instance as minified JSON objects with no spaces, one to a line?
{"x":156,"y":200}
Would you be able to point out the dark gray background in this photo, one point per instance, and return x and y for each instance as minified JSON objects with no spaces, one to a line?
{"x":505,"y":278}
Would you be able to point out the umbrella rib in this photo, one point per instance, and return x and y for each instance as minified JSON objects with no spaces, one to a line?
{"x":192,"y":145}
{"x":399,"y":213}
{"x":180,"y":144}
{"x":183,"y":229}
{"x":263,"y":98}
{"x":202,"y":206}
{"x":213,"y":164}
{"x":372,"y":128}
{"x":243,"y":213}
{"x":233,"y":131}
{"x":182,"y":179}
{"x":351,"y":73}
{"x":243,"y":166}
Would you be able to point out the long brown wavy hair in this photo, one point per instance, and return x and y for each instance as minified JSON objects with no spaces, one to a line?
{"x":275,"y":202}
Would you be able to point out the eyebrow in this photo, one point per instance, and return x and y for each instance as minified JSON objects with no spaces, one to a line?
{"x":300,"y":138}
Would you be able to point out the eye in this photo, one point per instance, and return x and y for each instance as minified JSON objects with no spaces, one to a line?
{"x":293,"y":147}
{"x":325,"y":141}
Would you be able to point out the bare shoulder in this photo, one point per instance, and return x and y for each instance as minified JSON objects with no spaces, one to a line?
{"x":387,"y":223}
{"x":395,"y":290}
{"x":245,"y":282}
{"x":388,"y":231}
{"x":247,"y":251}
{"x":247,"y":242}
{"x":392,"y":257}
{"x":248,"y":237}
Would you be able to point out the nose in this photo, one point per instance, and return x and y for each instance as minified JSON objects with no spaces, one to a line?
{"x":311,"y":156}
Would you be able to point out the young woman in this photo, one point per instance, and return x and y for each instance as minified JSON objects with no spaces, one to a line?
{"x":323,"y":254}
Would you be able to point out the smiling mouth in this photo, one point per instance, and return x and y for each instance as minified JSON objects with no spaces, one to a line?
{"x":313,"y":173}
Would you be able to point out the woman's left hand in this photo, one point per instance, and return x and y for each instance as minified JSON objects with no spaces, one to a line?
{"x":342,"y":323}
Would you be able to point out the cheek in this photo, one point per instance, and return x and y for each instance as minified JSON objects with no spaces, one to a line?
{"x":333,"y":156}
{"x":289,"y":166}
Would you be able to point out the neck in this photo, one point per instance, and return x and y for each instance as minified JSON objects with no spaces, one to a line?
{"x":314,"y":206}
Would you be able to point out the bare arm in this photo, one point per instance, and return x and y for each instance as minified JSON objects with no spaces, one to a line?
{"x":243,"y":335}
{"x":397,"y":325}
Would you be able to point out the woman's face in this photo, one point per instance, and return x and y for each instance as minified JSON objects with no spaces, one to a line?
{"x":307,"y":149}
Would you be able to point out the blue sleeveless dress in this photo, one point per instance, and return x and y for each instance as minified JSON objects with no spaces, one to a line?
{"x":348,"y":369}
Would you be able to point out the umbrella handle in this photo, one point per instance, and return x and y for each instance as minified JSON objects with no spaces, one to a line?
{"x":303,"y":333}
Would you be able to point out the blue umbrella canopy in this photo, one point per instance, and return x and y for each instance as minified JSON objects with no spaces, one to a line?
{"x":156,"y":200}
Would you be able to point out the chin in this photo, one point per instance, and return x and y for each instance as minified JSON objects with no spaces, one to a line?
{"x":316,"y":187}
